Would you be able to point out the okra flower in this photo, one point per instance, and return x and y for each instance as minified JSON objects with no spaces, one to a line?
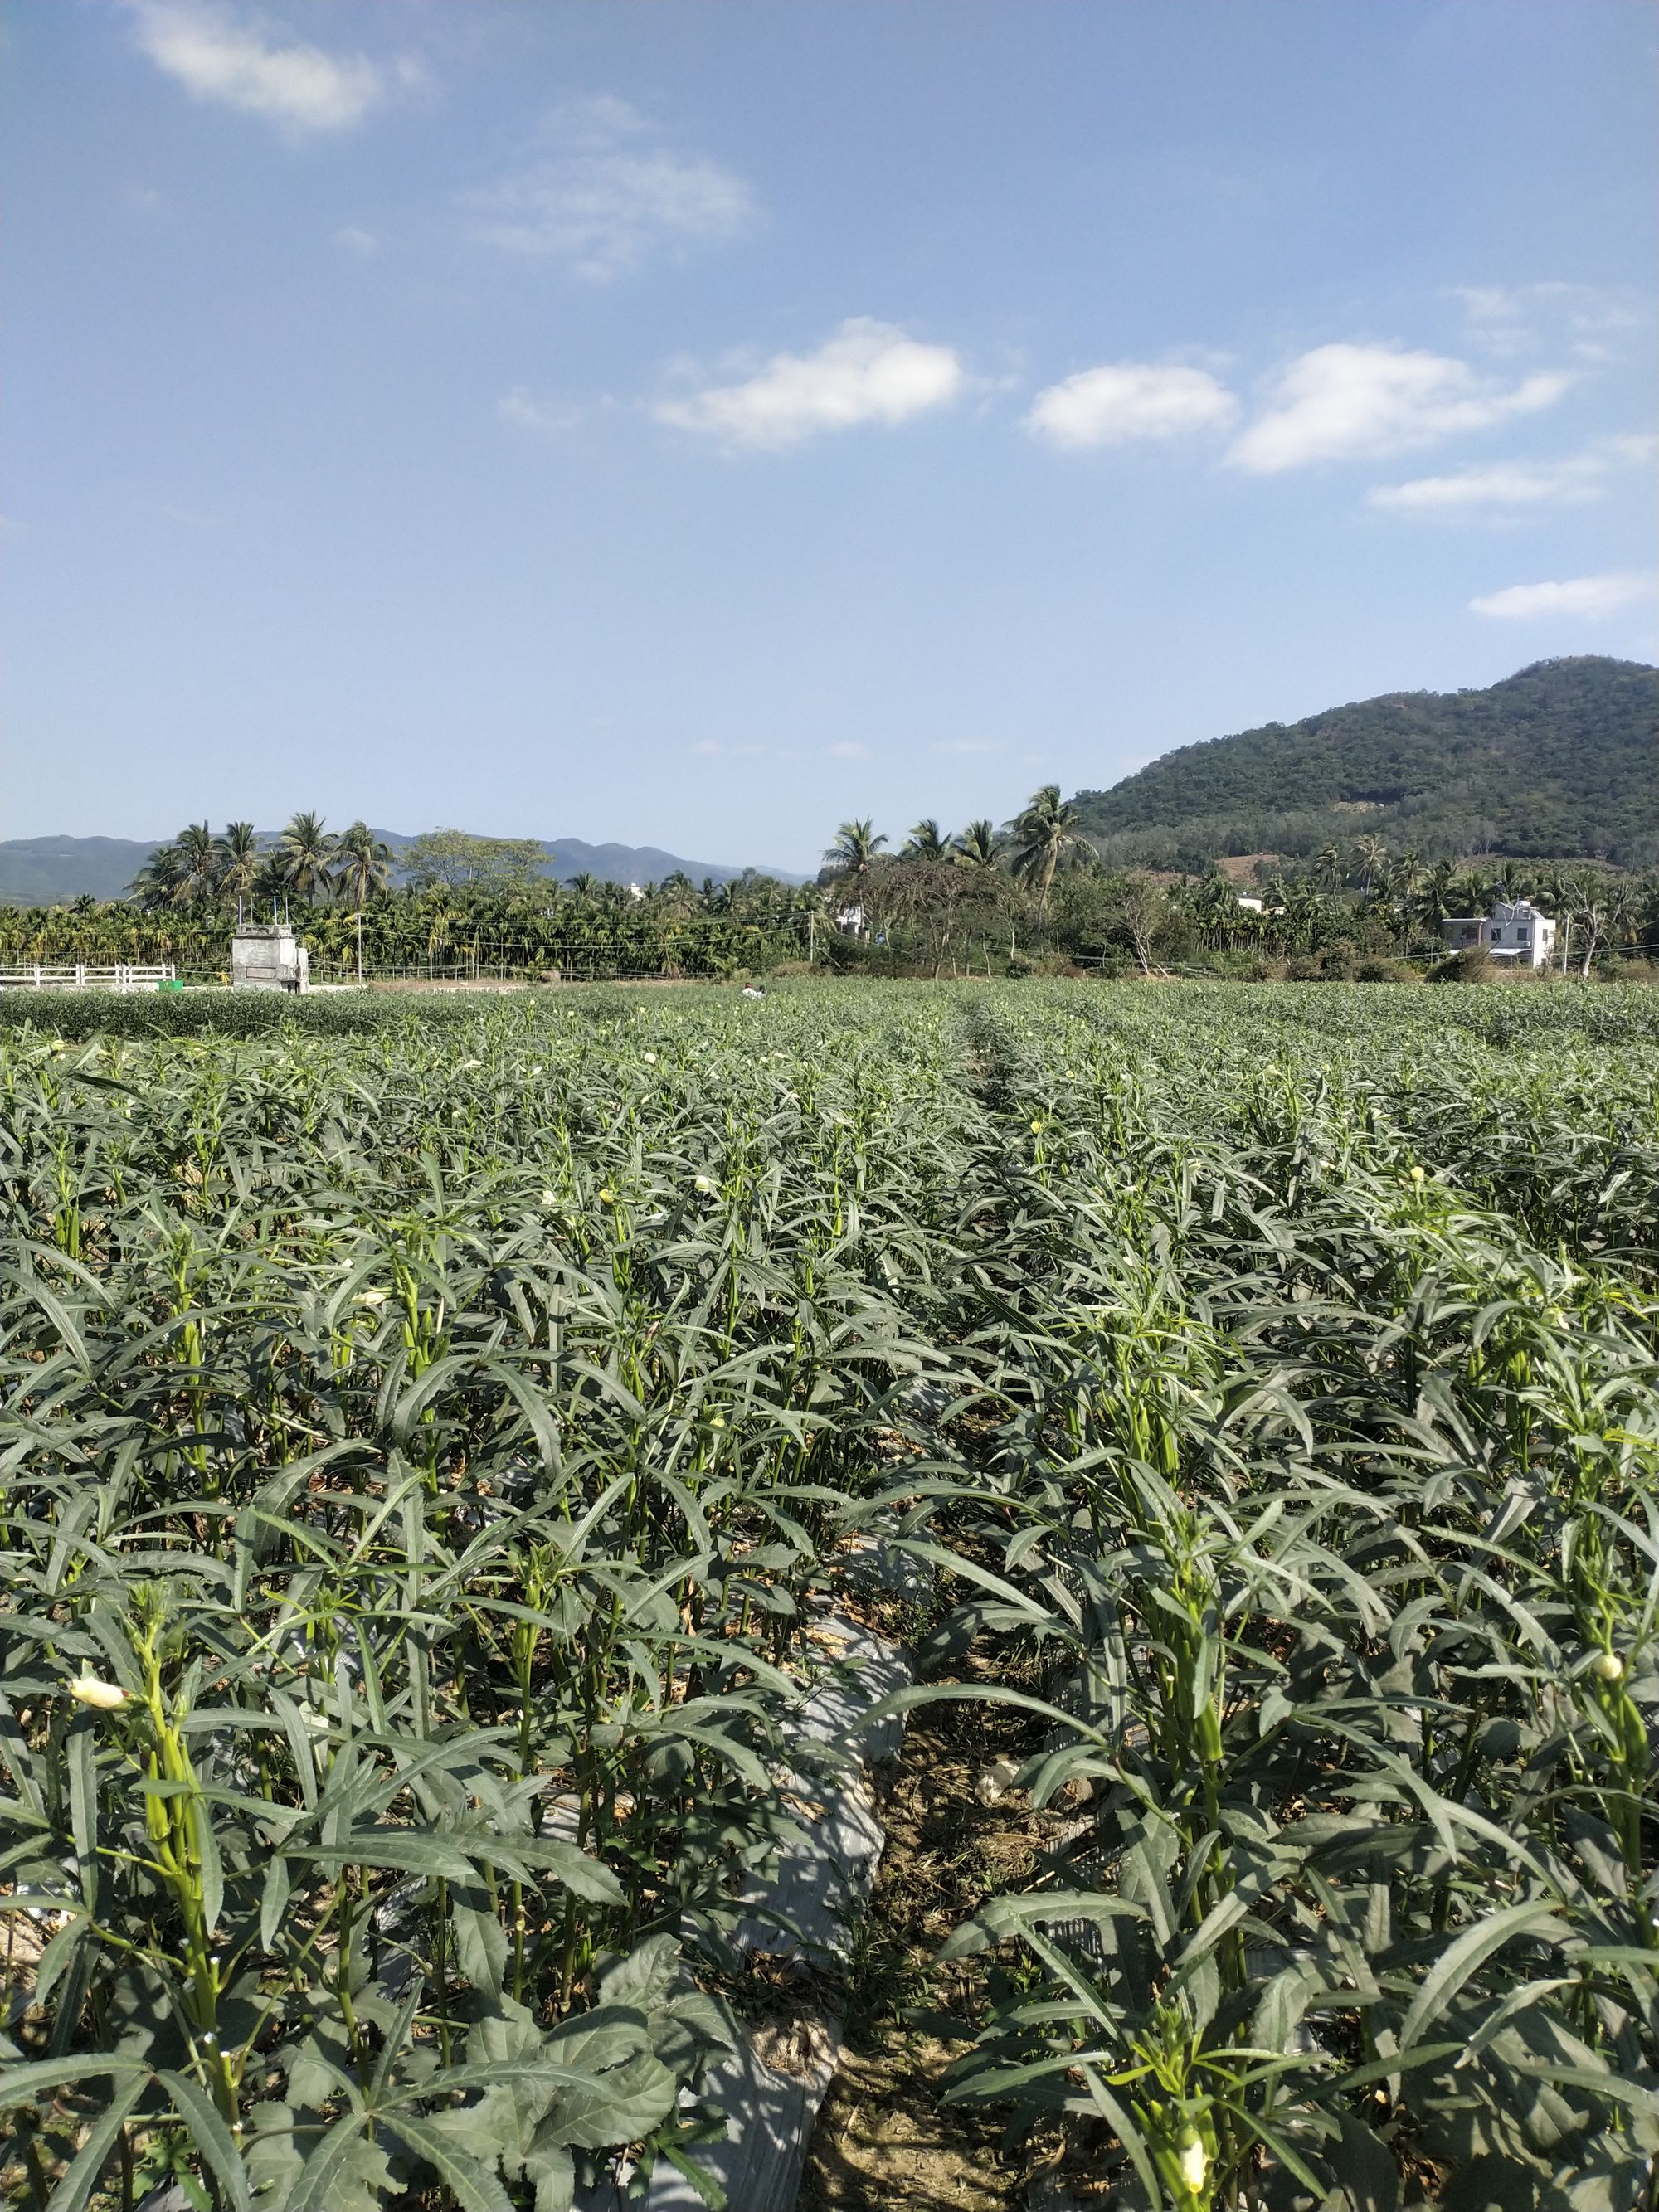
{"x":1195,"y":2160}
{"x":91,"y":1690}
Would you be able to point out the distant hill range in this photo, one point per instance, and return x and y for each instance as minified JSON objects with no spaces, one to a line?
{"x":1561,"y":762}
{"x":48,"y":871}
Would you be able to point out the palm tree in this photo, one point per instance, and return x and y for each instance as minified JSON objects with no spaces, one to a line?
{"x":924,"y":842}
{"x":362,"y":871}
{"x":158,"y":879}
{"x":1043,"y":834}
{"x":1371,"y":853}
{"x":241,"y":861}
{"x":198,"y":864}
{"x":1328,"y":866}
{"x":585,"y":888}
{"x":855,"y":847}
{"x":1432,"y":894}
{"x":979,"y":846}
{"x":304,"y":850}
{"x":362,"y":864}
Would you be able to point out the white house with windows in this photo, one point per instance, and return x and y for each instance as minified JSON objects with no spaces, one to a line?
{"x":1515,"y":931}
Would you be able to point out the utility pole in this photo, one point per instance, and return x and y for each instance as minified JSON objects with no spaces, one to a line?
{"x":812,"y":936}
{"x":359,"y":944}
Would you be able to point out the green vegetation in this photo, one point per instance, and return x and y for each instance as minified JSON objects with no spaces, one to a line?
{"x":1036,"y":894}
{"x":1557,"y":761}
{"x":429,"y":1433}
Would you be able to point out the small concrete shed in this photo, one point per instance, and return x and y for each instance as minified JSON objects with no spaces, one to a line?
{"x":268,"y":957}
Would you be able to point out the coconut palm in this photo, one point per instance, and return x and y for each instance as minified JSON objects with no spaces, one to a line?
{"x":1369,"y":853}
{"x":927,"y":842}
{"x":1044,"y":836}
{"x":1432,"y":894}
{"x":158,"y":879}
{"x":362,"y":864}
{"x":979,"y":846}
{"x":241,"y":860}
{"x":854,"y":849}
{"x":1329,"y":866}
{"x":304,"y":851}
{"x":198,"y":855}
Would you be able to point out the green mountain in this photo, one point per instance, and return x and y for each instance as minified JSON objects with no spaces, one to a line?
{"x":1559,"y":761}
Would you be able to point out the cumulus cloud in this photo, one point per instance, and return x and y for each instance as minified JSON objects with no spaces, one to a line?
{"x":243,"y":60}
{"x":1589,"y":596}
{"x":1128,"y":400}
{"x":1341,"y":402}
{"x":609,"y":193}
{"x":869,"y":372}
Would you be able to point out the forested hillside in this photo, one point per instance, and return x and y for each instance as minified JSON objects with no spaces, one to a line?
{"x":1558,"y":762}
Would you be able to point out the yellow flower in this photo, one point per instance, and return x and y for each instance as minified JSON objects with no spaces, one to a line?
{"x":371,"y":1297}
{"x":705,"y":1184}
{"x":1418,"y":1176}
{"x":1194,"y":2160}
{"x":1609,"y":1666}
{"x":607,"y":1197}
{"x":1036,"y":1129}
{"x":88,"y":1690}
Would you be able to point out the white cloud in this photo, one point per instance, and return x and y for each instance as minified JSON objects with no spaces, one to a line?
{"x":1342,"y":401}
{"x":869,"y":372}
{"x":852,"y":752}
{"x":1125,"y":400}
{"x":361,"y":242}
{"x":245,"y":62}
{"x":1589,"y":596}
{"x":609,"y":193}
{"x":967,"y":746}
{"x":1505,"y":486}
{"x":1518,"y":318}
{"x":550,"y":417}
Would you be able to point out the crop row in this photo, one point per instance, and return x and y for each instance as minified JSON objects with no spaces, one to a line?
{"x":426,"y":1450}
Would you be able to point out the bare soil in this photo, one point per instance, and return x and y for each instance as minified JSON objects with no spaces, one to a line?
{"x":886,"y":2137}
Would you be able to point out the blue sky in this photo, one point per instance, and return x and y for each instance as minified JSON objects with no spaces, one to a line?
{"x":695,"y":423}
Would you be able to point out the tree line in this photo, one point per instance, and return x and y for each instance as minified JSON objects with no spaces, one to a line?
{"x":1043,"y":881}
{"x":1033,"y":892}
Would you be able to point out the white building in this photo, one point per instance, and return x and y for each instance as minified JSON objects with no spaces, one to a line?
{"x":1515,"y":931}
{"x":268,"y":959}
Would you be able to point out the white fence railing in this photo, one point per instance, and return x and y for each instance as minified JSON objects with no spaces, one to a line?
{"x":40,"y":975}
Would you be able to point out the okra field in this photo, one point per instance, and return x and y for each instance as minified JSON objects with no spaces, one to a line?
{"x":431,"y":1437}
